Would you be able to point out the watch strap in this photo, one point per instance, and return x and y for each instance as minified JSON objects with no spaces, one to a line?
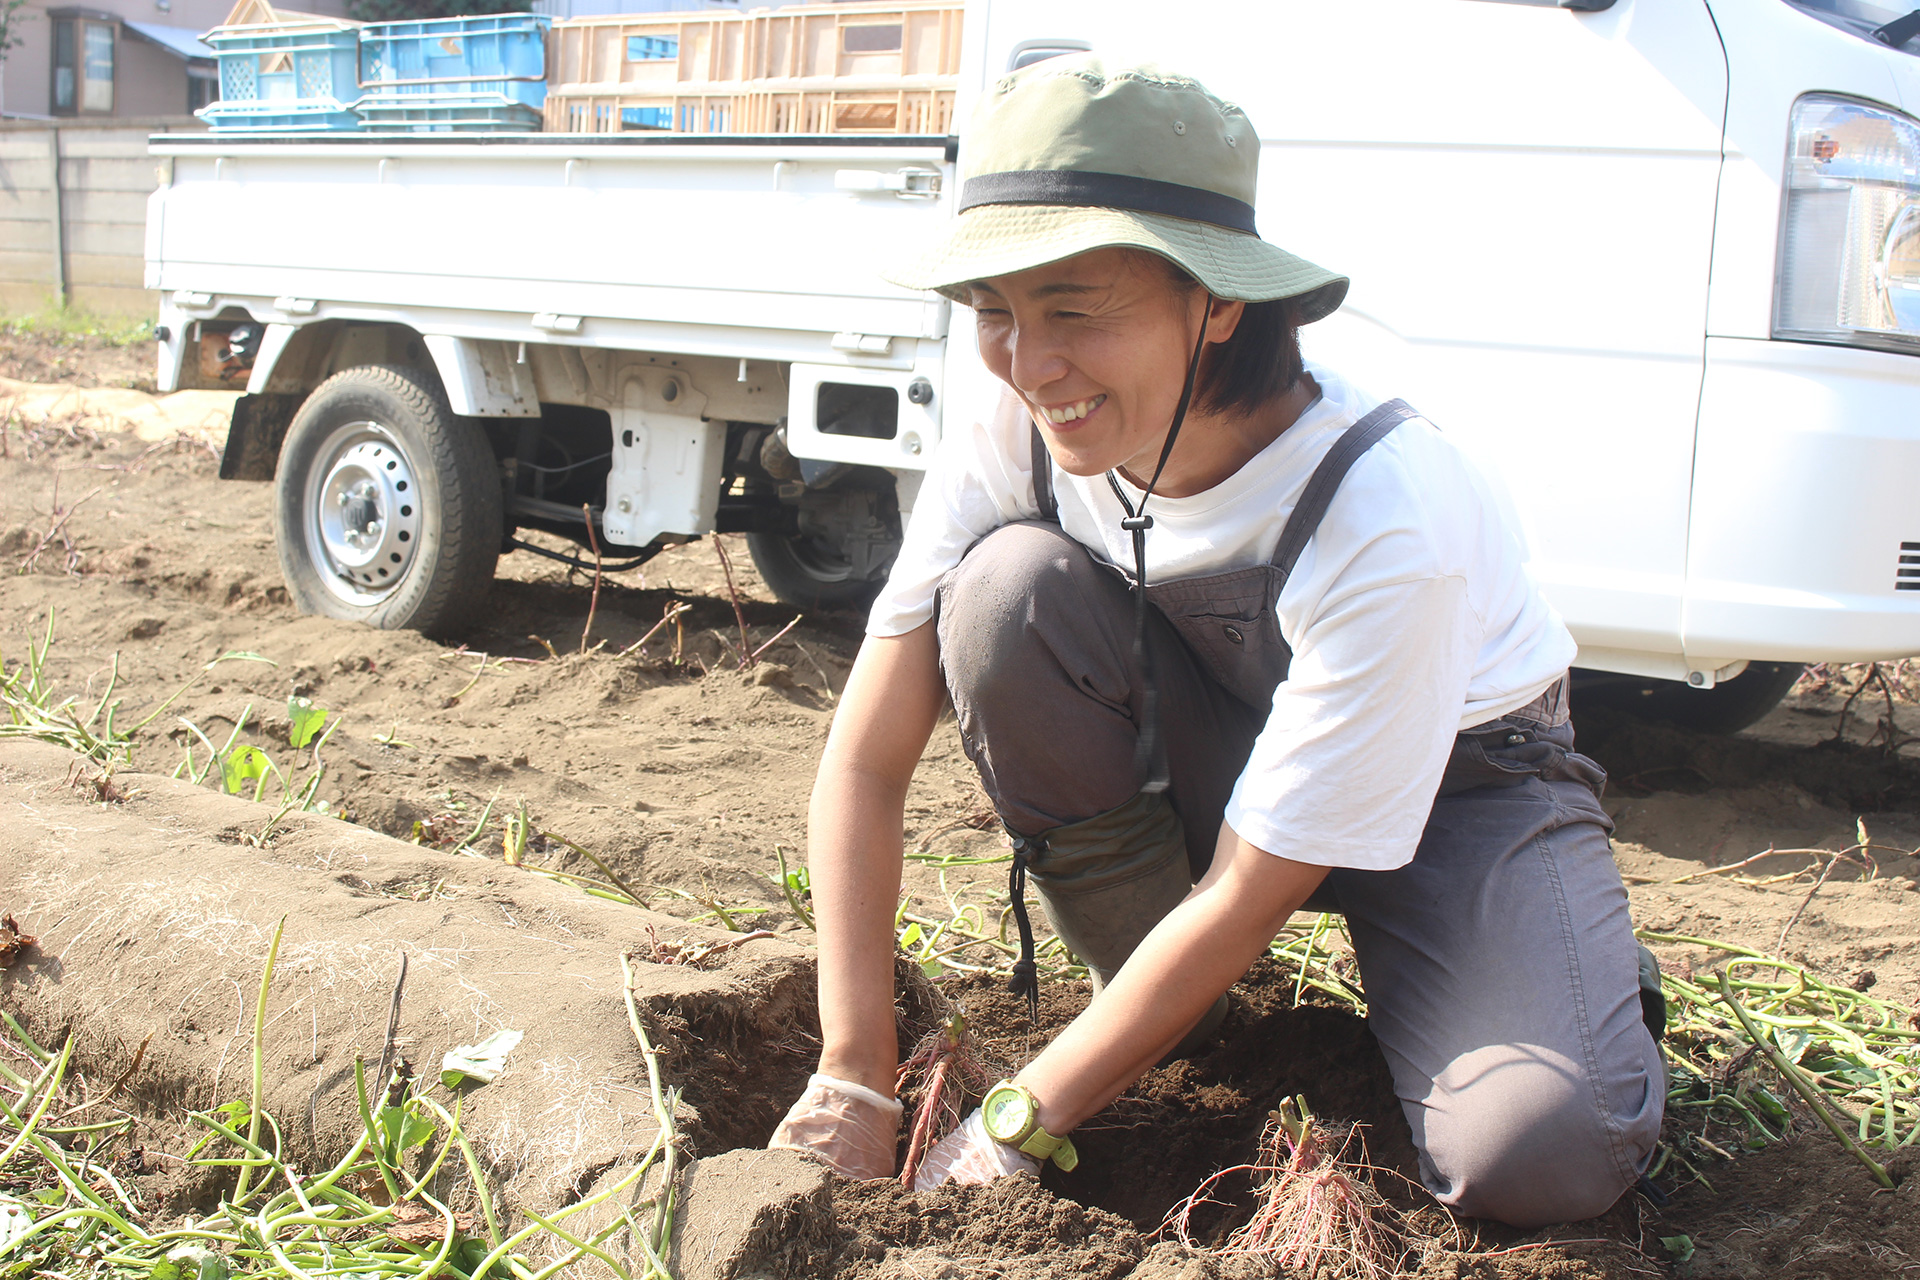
{"x":1043,"y":1146}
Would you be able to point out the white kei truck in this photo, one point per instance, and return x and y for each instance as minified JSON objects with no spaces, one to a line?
{"x":1656,"y":262}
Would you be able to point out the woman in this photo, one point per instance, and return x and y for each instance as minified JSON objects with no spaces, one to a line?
{"x":1339,"y":689}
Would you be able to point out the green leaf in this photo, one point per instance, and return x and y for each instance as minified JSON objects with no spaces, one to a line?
{"x":402,"y":1130}
{"x":388,"y":1122}
{"x":478,"y":1063}
{"x":1794,"y":1043}
{"x":32,"y":1263}
{"x":241,"y":766}
{"x":165,"y":1271}
{"x":932,"y":968}
{"x":1838,"y":1068}
{"x":1680,"y":1248}
{"x":197,"y":1262}
{"x":1769,"y":1106}
{"x":305,"y":720}
{"x":910,"y":936}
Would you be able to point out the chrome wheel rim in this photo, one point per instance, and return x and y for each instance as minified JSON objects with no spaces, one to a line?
{"x":362,"y":513}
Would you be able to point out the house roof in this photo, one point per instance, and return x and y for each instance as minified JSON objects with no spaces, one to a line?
{"x":182,"y":42}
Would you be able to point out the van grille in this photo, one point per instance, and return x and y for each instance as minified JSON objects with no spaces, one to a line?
{"x":1907,"y":576}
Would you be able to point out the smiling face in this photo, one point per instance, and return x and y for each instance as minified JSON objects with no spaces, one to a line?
{"x":1097,"y":347}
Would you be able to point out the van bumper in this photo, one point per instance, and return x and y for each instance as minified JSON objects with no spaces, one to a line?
{"x":1806,"y":496}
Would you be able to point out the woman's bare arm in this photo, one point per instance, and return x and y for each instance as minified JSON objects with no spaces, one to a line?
{"x":1206,"y":944}
{"x":887,"y":713}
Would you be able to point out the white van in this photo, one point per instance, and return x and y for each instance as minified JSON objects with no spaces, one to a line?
{"x":1656,"y":261}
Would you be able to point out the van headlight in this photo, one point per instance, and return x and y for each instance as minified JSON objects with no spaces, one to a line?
{"x":1850,"y":236}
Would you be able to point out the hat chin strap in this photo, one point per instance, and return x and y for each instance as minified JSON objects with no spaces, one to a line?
{"x":1147,"y":760}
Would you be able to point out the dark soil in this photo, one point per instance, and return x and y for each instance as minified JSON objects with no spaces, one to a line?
{"x":1642,"y":758}
{"x":1188,"y":1119}
{"x":1024,"y":1231}
{"x":1747,"y":1218}
{"x":1181,"y":1123}
{"x":1799,"y":1210}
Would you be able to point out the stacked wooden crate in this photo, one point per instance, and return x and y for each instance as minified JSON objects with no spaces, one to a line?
{"x":889,"y":68}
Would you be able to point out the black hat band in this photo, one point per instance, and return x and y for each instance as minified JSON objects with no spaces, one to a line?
{"x":1108,"y":191}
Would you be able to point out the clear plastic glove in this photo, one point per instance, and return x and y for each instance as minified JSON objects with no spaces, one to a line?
{"x":970,"y":1154}
{"x":851,"y":1127}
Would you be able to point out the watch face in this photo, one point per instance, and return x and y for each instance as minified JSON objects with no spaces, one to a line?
{"x":1007,"y":1112}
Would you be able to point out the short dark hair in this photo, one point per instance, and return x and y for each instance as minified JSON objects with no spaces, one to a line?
{"x":1259,"y":362}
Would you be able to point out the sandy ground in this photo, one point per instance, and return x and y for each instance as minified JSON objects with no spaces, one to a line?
{"x":689,"y":778}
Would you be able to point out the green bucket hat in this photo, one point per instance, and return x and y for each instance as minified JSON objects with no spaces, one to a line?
{"x":1069,"y":155}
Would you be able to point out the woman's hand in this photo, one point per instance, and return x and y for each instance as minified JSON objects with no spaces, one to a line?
{"x":970,"y":1155}
{"x":1201,"y":948}
{"x":850,"y":1126}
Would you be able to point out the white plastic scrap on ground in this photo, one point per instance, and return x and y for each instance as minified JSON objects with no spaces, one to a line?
{"x":478,"y":1063}
{"x":14,"y":1221}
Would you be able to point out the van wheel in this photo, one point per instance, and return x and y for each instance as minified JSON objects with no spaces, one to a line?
{"x":386,"y":505}
{"x":1728,"y":707}
{"x":807,"y":573}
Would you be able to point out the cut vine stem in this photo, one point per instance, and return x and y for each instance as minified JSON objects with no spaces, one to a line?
{"x":1801,"y":1085}
{"x":593,"y":605}
{"x":747,"y":652}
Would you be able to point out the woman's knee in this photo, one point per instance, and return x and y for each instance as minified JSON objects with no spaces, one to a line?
{"x":1021,"y":593}
{"x":1521,"y":1135}
{"x":996,"y":584}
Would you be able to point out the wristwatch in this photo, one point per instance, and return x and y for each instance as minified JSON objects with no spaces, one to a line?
{"x":1012,"y":1116}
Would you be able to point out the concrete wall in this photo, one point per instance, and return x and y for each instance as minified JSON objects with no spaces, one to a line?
{"x":95,"y":256}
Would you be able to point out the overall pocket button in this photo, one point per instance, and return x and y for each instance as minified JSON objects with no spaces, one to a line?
{"x":1233,"y":635}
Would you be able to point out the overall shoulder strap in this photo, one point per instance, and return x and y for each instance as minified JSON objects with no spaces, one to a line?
{"x":1326,"y":478}
{"x":1043,"y":480}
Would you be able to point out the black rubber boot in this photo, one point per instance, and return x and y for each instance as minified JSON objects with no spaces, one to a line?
{"x":1653,"y":1001}
{"x":1107,"y":881}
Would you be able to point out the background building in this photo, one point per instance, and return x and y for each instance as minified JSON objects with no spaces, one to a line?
{"x":116,"y":58}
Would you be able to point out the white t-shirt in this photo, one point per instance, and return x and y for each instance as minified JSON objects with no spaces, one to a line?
{"x":1410,"y":614}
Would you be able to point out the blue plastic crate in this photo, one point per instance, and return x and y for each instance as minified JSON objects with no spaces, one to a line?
{"x":294,"y":77}
{"x":458,"y":64}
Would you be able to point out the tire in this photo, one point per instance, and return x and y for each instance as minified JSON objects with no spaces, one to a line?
{"x":1728,"y":707}
{"x":808,"y":573}
{"x":387,"y":507}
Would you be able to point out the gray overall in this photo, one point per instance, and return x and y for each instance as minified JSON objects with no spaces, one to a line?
{"x":1499,"y":964}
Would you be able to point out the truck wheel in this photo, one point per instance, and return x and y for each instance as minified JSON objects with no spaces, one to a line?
{"x":386,"y":505}
{"x":807,"y":573}
{"x":1728,"y":707}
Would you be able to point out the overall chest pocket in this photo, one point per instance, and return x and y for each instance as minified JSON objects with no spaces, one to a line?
{"x":1229,"y":623}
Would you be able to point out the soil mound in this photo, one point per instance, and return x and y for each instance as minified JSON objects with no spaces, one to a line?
{"x":154,"y":913}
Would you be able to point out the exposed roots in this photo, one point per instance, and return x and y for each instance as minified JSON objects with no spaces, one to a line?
{"x":1315,"y":1208}
{"x":949,"y":1073}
